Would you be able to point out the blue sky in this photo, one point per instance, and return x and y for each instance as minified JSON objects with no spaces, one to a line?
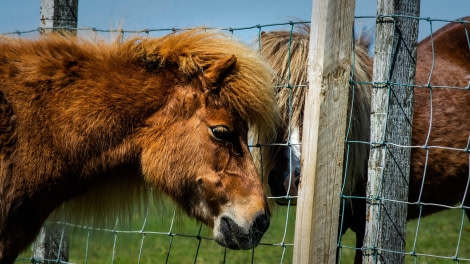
{"x":21,"y":15}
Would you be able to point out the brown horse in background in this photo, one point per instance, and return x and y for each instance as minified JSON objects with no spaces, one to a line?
{"x":438,"y":175}
{"x":104,"y":120}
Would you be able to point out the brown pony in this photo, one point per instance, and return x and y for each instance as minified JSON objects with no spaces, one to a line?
{"x":287,"y":52}
{"x":438,"y":175}
{"x":81,"y":117}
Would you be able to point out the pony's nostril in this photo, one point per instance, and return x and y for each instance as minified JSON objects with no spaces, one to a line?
{"x":236,"y":237}
{"x":297,"y":176}
{"x":260,"y":225}
{"x":297,"y":171}
{"x":230,"y":231}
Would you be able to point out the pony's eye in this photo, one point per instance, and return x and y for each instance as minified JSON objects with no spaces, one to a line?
{"x":220,"y":132}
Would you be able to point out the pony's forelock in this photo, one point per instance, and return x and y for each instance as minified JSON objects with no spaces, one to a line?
{"x":250,"y":90}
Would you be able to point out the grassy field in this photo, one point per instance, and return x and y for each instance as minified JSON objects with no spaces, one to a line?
{"x":180,"y":241}
{"x":167,"y":241}
{"x":435,"y":243}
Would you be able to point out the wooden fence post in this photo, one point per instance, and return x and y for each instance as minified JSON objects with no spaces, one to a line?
{"x":52,"y":243}
{"x":59,"y":15}
{"x":391,"y":120}
{"x":324,"y":131}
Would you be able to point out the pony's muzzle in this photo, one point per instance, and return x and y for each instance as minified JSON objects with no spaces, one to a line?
{"x":234,"y":236}
{"x":285,"y":188}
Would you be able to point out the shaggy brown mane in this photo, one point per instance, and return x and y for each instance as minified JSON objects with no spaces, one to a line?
{"x":192,"y":51}
{"x":286,"y":50}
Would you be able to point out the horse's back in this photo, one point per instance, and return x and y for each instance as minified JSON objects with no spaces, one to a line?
{"x":441,"y":117}
{"x":447,"y":54}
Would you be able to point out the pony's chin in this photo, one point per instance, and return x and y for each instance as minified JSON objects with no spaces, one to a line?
{"x":228,"y":233}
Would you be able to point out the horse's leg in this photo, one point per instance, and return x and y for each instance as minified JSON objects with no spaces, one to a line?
{"x":360,"y":233}
{"x":18,"y":230}
{"x":355,"y":218}
{"x":359,"y":226}
{"x":17,"y":240}
{"x":23,"y":212}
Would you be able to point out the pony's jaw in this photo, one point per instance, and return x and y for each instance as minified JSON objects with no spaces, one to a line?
{"x":232,"y":233}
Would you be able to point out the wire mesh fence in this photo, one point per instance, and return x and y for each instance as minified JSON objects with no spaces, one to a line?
{"x":439,"y":165}
{"x":162,"y":234}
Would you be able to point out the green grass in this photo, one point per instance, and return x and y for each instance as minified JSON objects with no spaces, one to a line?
{"x":182,"y":246}
{"x":436,"y":240}
{"x":438,"y":236}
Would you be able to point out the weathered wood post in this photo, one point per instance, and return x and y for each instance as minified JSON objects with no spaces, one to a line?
{"x":59,"y":15}
{"x":324,"y":131}
{"x":391,"y":120}
{"x":52,"y":243}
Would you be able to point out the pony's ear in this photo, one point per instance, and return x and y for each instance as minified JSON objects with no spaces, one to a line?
{"x":219,"y":70}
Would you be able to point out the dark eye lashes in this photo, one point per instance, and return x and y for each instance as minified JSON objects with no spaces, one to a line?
{"x":220,"y":132}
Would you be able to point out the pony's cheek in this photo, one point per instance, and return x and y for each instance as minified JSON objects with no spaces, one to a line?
{"x":221,"y":158}
{"x":213,"y":194}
